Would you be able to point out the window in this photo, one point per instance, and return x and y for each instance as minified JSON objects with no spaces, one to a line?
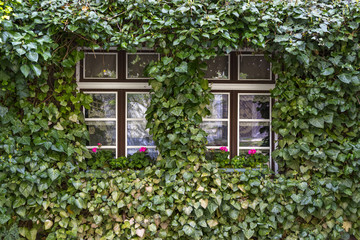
{"x":240,"y":111}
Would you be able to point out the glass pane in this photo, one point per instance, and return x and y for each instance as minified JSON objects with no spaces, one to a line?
{"x":137,"y":134}
{"x":254,"y":134}
{"x":100,"y":65}
{"x":103,"y":106}
{"x":217,"y":68}
{"x":136,"y":64}
{"x":254,"y":107}
{"x":219,"y":106}
{"x":217,"y":132}
{"x":102,"y":132}
{"x":153,"y":153}
{"x":137,"y":104}
{"x":254,"y":67}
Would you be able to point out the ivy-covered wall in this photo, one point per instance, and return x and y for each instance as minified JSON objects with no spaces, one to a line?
{"x":314,"y":48}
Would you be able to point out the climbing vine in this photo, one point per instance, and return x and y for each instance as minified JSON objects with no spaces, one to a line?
{"x":314,"y":50}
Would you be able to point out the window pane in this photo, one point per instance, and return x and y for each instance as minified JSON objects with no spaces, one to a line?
{"x":254,"y":106}
{"x":254,"y":134}
{"x":219,"y":106}
{"x":217,"y":132}
{"x":102,"y":132}
{"x":103,"y":106}
{"x":136,"y":64}
{"x":137,"y":134}
{"x":153,"y":153}
{"x":254,"y":67}
{"x":217,"y":68}
{"x":100,"y":65}
{"x":137,"y":104}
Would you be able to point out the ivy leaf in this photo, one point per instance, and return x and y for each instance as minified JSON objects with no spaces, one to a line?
{"x":19,"y":201}
{"x":327,"y":71}
{"x":3,"y":111}
{"x":53,"y":173}
{"x":25,"y":69}
{"x":188,"y":230}
{"x":32,"y":56}
{"x":37,"y":69}
{"x":249,"y":233}
{"x":317,"y":122}
{"x":176,"y":111}
{"x":25,"y":188}
{"x":182,"y":68}
{"x":345,"y":78}
{"x":4,"y":218}
{"x":48,"y":224}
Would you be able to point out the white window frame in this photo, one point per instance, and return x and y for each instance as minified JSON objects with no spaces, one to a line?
{"x":132,"y":119}
{"x":221,"y":120}
{"x":116,"y":119}
{"x":255,"y":121}
{"x":100,"y":53}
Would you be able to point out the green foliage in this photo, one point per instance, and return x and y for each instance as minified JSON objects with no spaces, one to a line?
{"x":140,"y":159}
{"x":249,"y":160}
{"x":219,"y":156}
{"x":119,"y":163}
{"x":314,"y":49}
{"x":9,"y":234}
{"x":100,"y":159}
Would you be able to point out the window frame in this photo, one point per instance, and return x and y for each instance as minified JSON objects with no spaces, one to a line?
{"x":122,"y":86}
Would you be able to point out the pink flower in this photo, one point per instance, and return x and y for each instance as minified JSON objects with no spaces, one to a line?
{"x":142,"y":149}
{"x":252,"y":151}
{"x":99,"y":144}
{"x":94,"y":150}
{"x":224,"y":149}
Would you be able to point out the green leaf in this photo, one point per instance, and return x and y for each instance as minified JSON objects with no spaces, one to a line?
{"x":176,"y":111}
{"x":32,"y":56}
{"x":182,"y":68}
{"x":345,"y":78}
{"x":25,"y":188}
{"x":3,"y":111}
{"x":19,"y":201}
{"x":327,"y":71}
{"x":188,"y":230}
{"x":53,"y":173}
{"x":37,"y":69}
{"x":249,"y":233}
{"x":25,"y":69}
{"x":4,"y":218}
{"x":317,"y":122}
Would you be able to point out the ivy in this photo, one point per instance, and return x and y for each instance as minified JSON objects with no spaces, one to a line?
{"x":314,"y":50}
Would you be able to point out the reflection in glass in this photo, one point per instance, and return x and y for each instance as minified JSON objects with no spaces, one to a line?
{"x":153,"y":153}
{"x":219,"y":106}
{"x":217,"y":68}
{"x":103,"y":106}
{"x":217,"y":132}
{"x":137,"y":105}
{"x":137,"y":134}
{"x":103,"y":132}
{"x":136,"y":64}
{"x":254,"y":67}
{"x":254,"y":134}
{"x":254,"y":107}
{"x":100,"y":65}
